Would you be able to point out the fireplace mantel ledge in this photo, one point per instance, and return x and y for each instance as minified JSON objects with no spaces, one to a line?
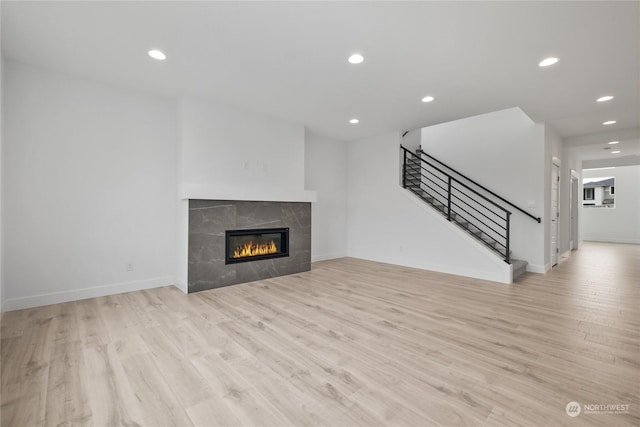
{"x":258,"y":194}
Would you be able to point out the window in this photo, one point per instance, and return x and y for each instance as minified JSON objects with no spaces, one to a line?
{"x":598,"y":192}
{"x":588,"y":193}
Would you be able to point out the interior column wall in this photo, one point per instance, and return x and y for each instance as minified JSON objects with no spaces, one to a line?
{"x":326,"y":173}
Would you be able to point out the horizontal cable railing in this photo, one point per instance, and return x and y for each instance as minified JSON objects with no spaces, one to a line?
{"x":422,"y":153}
{"x":485,"y":219}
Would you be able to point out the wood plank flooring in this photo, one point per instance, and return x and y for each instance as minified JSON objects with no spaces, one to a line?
{"x":351,"y":343}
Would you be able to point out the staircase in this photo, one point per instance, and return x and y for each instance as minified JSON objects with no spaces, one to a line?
{"x":464,"y":202}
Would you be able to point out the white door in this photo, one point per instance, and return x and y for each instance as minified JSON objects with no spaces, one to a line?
{"x":554,"y":214}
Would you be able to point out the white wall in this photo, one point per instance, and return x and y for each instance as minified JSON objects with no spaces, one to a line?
{"x":553,"y":151}
{"x":90,"y":185}
{"x":1,"y":181}
{"x":387,"y":223}
{"x":225,"y":146}
{"x":504,"y":151}
{"x":622,"y":223}
{"x":326,"y":173}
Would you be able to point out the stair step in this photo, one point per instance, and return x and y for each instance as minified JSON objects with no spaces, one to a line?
{"x":519,"y":268}
{"x":487,"y":239}
{"x":459,"y":220}
{"x":462,"y":223}
{"x":473,"y":229}
{"x":437,"y":205}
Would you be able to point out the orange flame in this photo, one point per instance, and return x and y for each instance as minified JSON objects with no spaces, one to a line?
{"x":251,"y":249}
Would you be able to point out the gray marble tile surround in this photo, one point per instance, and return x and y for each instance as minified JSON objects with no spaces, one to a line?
{"x":208,"y":220}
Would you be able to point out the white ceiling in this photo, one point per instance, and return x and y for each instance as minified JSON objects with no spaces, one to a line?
{"x":289,"y":59}
{"x":594,"y":150}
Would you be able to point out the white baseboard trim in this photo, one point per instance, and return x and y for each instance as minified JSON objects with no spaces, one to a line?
{"x":611,"y":240}
{"x":182,"y":285}
{"x":324,"y":257}
{"x":537,"y":268}
{"x":20,"y":303}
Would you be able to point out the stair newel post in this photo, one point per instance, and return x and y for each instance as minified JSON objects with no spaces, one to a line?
{"x":404,"y":168}
{"x":508,"y":251}
{"x":449,"y":199}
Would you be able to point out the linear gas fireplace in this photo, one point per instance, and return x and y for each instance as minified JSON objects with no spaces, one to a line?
{"x":225,"y":234}
{"x":255,"y":244}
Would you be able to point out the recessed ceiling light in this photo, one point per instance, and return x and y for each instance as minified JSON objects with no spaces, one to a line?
{"x":354,"y":121}
{"x":605,"y":98}
{"x":356,"y":58}
{"x":615,"y":152}
{"x":428,"y":99}
{"x":548,"y":61}
{"x":609,"y":122}
{"x":156,"y":54}
{"x":613,"y":142}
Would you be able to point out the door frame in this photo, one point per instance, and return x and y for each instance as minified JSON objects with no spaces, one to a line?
{"x":574,"y":209}
{"x":555,"y":162}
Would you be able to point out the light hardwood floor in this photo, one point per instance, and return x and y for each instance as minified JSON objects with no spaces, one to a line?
{"x":351,"y":343}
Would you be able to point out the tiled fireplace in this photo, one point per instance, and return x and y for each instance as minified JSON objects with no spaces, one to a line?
{"x":233,"y":242}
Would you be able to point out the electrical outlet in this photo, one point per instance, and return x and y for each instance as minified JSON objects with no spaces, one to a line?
{"x":129,"y":266}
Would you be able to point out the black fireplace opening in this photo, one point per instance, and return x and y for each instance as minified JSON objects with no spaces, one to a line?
{"x":255,"y":244}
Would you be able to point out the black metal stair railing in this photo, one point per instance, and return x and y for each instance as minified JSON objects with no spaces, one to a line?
{"x":461,"y":204}
{"x":422,"y":153}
